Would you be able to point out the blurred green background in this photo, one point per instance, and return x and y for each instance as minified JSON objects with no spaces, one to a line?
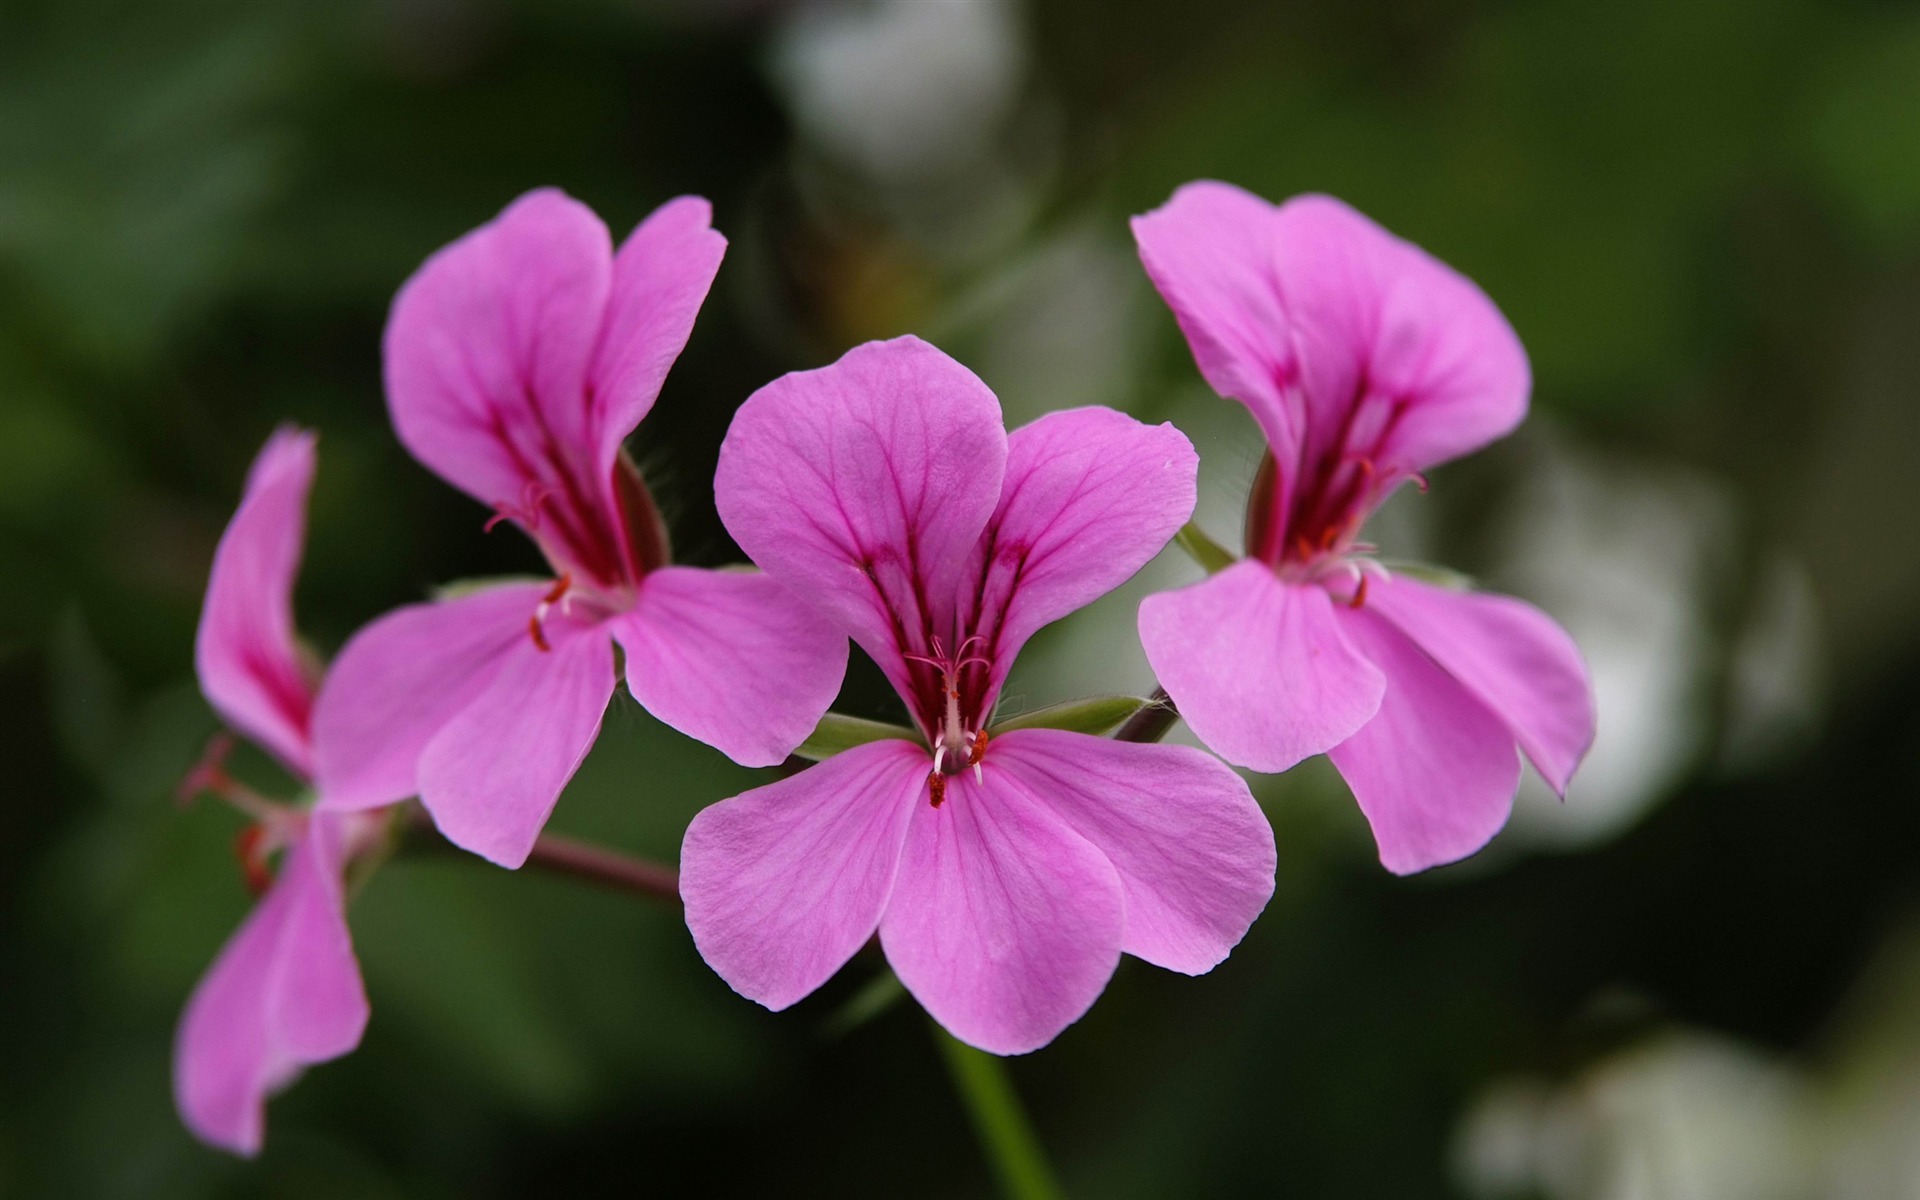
{"x":1698,"y":978}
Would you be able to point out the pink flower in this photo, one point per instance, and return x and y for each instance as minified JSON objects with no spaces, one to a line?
{"x":517,"y":361}
{"x":285,"y":991}
{"x":1365,"y":361}
{"x":1005,"y":876}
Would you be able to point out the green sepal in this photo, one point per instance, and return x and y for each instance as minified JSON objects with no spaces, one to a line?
{"x":836,"y":733}
{"x":1096,"y":715}
{"x":1444,"y":577}
{"x":1211,"y":555}
{"x":459,"y":589}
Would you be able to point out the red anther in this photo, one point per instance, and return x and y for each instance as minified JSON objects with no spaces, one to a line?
{"x":247,"y":848}
{"x":1305,"y":547}
{"x":937,"y":788}
{"x":978,"y":750}
{"x":1365,"y":464}
{"x":1359,"y":594}
{"x":536,"y":623}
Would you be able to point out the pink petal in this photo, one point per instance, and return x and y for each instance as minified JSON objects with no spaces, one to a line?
{"x":248,"y":660}
{"x":491,"y":776}
{"x":283,"y":994}
{"x":1206,"y":250}
{"x":1382,"y":325}
{"x":398,"y":681}
{"x":660,"y":278}
{"x":1090,"y":496}
{"x":1004,"y":923}
{"x":1510,"y":655}
{"x":1194,"y":852}
{"x":1336,"y":334}
{"x":1259,"y":668}
{"x":731,"y":658}
{"x":784,"y":883}
{"x":863,"y":486}
{"x":487,"y":352}
{"x":1435,"y":770}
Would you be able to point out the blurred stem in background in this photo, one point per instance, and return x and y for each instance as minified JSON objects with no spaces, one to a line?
{"x":1000,"y":1120}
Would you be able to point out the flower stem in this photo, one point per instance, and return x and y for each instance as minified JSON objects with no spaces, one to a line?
{"x":1000,"y":1120}
{"x":562,"y":855}
{"x":1152,"y":722}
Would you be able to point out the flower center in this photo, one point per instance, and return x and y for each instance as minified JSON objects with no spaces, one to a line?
{"x":1309,"y":535}
{"x":945,"y":714}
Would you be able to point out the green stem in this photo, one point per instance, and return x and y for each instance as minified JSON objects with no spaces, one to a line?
{"x":1000,"y":1120}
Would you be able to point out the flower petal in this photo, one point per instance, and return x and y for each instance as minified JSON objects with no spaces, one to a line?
{"x":863,"y":487}
{"x":731,"y":658}
{"x":784,"y":883}
{"x":1344,"y":341}
{"x":1004,"y":923}
{"x":1394,"y":345}
{"x":1512,"y":656}
{"x":491,"y":776}
{"x":660,"y":278}
{"x":487,"y":353}
{"x":398,"y":681}
{"x":1435,"y":770}
{"x":1090,"y":496}
{"x":1194,"y":852}
{"x":1258,"y":667}
{"x":283,"y":994}
{"x":1206,"y":252}
{"x":248,"y":661}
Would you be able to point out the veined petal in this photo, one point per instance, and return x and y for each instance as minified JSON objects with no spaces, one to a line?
{"x":1090,"y":496}
{"x":245,"y":653}
{"x":1258,"y":667}
{"x":487,"y":353}
{"x":1397,"y":350}
{"x":863,"y":487}
{"x":1194,"y":852}
{"x":731,"y":658}
{"x":1348,"y":344}
{"x":660,"y":278}
{"x":1004,"y":923}
{"x":784,"y":883}
{"x":1435,"y":770}
{"x":1207,"y":252}
{"x":1509,"y":654}
{"x":283,"y":994}
{"x":398,"y":681}
{"x":492,"y":774}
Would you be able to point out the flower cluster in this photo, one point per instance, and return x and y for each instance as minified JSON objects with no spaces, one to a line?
{"x":1003,"y":866}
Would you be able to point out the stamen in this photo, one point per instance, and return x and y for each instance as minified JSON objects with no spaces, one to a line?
{"x":527,"y":512}
{"x":210,"y":773}
{"x":1359,"y":592}
{"x":536,"y":624}
{"x":976,"y":750}
{"x":937,"y":788}
{"x":250,"y":848}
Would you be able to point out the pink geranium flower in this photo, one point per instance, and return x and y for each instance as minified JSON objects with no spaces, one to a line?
{"x":285,"y":991}
{"x":1365,"y":361}
{"x":1005,"y":876}
{"x":517,"y":361}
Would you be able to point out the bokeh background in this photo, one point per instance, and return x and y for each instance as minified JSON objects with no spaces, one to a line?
{"x":1698,"y":978}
